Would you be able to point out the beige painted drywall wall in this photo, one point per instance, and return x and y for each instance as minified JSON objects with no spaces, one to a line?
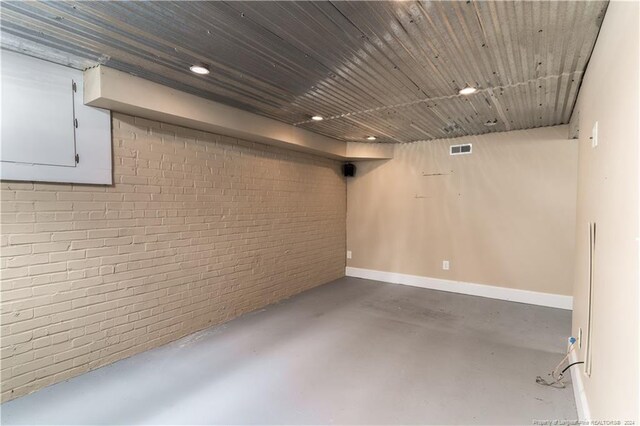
{"x":608,"y":195}
{"x":503,"y":216}
{"x":198,"y":229}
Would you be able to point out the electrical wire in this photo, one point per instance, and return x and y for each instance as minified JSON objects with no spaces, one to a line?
{"x":571,"y":365}
{"x":557,"y":377}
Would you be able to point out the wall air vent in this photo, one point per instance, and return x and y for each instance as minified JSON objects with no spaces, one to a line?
{"x":460,"y":149}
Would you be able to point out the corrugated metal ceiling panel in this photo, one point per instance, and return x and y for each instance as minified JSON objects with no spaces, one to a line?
{"x":389,"y":69}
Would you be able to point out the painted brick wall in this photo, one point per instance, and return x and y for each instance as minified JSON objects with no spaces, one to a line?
{"x":198,"y":229}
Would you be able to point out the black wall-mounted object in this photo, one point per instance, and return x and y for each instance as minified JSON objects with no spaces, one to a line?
{"x":349,"y":169}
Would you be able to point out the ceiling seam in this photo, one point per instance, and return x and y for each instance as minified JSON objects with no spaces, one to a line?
{"x":438,"y":98}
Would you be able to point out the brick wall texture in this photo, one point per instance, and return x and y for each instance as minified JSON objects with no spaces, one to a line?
{"x":197,"y":229}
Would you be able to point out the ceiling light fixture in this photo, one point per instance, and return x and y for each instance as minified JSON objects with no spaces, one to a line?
{"x":490,"y":123}
{"x":371,"y":138}
{"x":202,"y":69}
{"x":317,"y":118}
{"x":468,"y":90}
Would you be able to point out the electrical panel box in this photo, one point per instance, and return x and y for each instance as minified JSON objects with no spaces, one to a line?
{"x":46,"y":132}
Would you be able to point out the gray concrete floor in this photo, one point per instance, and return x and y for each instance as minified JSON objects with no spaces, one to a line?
{"x":350,"y":352}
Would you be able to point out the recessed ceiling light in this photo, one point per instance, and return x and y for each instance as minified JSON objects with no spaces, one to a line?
{"x":202,"y":69}
{"x":371,"y":138}
{"x":467,"y":90}
{"x":317,"y":118}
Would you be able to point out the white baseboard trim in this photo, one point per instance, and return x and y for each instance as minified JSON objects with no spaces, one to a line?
{"x":492,"y":292}
{"x":582,"y":405}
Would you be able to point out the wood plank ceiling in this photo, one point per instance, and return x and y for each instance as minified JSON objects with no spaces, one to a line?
{"x":386,"y":69}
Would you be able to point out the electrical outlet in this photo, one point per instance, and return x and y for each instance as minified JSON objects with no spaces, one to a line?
{"x":594,"y":135}
{"x":348,"y":254}
{"x":445,"y":265}
{"x":580,"y":337}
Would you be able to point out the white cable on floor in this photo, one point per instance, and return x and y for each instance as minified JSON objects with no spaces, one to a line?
{"x":557,"y":377}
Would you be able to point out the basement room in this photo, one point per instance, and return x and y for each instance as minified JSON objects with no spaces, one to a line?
{"x":394,"y":212}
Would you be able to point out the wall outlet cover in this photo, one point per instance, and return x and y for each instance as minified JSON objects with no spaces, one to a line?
{"x":445,"y":265}
{"x":580,"y":337}
{"x":348,"y":254}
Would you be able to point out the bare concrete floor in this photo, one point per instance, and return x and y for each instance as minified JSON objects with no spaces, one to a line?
{"x":350,"y":352}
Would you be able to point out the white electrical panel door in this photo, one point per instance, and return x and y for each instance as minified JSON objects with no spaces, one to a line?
{"x":37,"y":125}
{"x":47,"y":134}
